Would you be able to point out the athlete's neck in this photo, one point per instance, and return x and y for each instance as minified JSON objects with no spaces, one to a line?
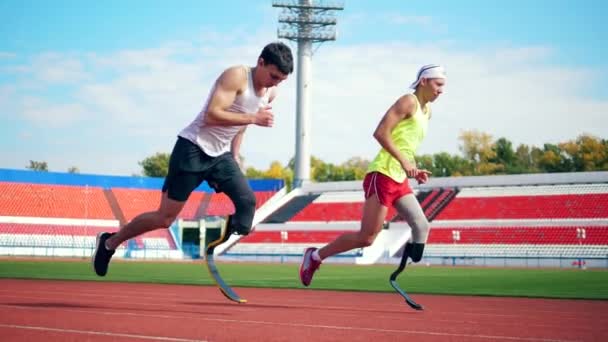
{"x":256,"y":84}
{"x":421,"y":99}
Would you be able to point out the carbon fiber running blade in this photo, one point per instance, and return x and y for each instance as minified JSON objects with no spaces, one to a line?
{"x":224,"y":288}
{"x":407,"y":298}
{"x":215,"y":274}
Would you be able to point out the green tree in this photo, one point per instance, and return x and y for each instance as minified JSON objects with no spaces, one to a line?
{"x":73,"y":169}
{"x":38,"y":166}
{"x":586,"y":153}
{"x":355,"y":168}
{"x":156,"y":165}
{"x":476,"y":146}
{"x":604,"y":164}
{"x":320,"y":171}
{"x":447,"y":165}
{"x":526,"y":161}
{"x":316,"y":165}
{"x":480,"y":156}
{"x":425,"y":161}
{"x":275,"y":171}
{"x":253,"y":173}
{"x":503,"y":148}
{"x":553,"y":160}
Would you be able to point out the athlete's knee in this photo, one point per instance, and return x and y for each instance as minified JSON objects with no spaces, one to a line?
{"x":165,"y":220}
{"x":245,"y":201}
{"x":365,"y":240}
{"x":408,"y":207}
{"x":420,"y":230}
{"x":414,"y":250}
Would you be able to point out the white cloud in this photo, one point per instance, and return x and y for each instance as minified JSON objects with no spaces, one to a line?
{"x":353,"y":23}
{"x":6,"y":95}
{"x":410,"y":19}
{"x":139,"y":100}
{"x":50,"y":115}
{"x":517,"y":93}
{"x":52,"y":68}
{"x":7,"y":55}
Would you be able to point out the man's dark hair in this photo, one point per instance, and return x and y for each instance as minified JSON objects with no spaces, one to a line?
{"x":278,"y":54}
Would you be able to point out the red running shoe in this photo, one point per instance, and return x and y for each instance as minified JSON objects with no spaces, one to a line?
{"x":309,"y":266}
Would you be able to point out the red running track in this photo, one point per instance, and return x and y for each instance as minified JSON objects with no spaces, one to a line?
{"x":43,"y":310}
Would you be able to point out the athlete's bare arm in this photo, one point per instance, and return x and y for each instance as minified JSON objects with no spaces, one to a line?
{"x":231,"y":83}
{"x":235,"y":147}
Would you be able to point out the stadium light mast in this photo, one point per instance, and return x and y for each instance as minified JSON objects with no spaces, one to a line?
{"x":305,"y":22}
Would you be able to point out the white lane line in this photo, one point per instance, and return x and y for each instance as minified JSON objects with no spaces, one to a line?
{"x":298,"y":325}
{"x":327,"y":310}
{"x":300,"y":302}
{"x":99,"y":333}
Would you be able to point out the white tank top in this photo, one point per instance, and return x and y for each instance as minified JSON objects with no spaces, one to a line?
{"x":216,"y":140}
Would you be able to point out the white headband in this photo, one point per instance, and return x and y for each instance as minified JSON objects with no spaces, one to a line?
{"x":429,"y":71}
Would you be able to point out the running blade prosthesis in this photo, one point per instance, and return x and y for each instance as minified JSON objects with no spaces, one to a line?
{"x":393,"y":281}
{"x":224,"y":288}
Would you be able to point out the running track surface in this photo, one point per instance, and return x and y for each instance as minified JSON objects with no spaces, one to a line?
{"x":41,"y":310}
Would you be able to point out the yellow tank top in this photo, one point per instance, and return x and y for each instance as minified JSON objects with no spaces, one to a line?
{"x":407,"y":136}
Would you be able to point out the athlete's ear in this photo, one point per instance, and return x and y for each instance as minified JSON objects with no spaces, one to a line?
{"x":261,"y":62}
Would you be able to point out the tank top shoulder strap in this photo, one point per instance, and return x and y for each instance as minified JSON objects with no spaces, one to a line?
{"x":416,"y":104}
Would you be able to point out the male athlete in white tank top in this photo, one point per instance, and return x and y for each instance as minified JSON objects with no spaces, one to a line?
{"x":208,"y":149}
{"x":215,"y":140}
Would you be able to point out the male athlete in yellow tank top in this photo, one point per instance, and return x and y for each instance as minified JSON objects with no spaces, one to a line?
{"x":400,"y":132}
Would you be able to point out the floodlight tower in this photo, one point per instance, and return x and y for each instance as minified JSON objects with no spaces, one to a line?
{"x":305,"y":22}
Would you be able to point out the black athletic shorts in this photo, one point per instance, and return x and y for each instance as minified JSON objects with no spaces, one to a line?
{"x":189,"y":166}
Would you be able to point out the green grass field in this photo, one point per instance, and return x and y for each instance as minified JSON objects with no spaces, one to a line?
{"x":547,"y":283}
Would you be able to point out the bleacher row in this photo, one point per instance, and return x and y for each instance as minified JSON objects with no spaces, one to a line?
{"x":512,"y":220}
{"x":563,"y":235}
{"x":51,"y":215}
{"x":87,"y":202}
{"x":489,"y":221}
{"x":40,"y":235}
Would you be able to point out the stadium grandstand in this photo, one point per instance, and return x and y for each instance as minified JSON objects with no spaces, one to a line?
{"x":517,"y":220}
{"x":554,"y":220}
{"x":59,"y":214}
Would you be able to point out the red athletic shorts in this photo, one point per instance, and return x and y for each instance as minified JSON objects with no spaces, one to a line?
{"x":385,"y":187}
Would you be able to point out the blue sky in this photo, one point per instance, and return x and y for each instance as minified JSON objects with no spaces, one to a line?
{"x":102,"y":85}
